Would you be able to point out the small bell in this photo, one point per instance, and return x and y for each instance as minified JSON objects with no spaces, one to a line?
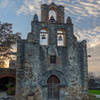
{"x":43,"y":36}
{"x":60,"y":38}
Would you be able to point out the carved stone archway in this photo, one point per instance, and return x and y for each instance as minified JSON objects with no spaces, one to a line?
{"x":59,"y":79}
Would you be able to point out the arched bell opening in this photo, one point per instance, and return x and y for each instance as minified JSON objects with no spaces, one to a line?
{"x":61,"y":37}
{"x":52,"y":15}
{"x":44,"y":36}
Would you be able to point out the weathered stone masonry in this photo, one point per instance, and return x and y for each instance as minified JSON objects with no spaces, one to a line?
{"x":43,"y":67}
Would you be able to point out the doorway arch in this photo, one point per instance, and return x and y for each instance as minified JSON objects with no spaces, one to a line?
{"x":53,"y":87}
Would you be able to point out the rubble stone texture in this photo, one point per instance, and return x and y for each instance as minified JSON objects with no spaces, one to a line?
{"x":33,"y":60}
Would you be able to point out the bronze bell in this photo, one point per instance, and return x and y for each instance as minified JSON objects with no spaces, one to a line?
{"x":60,"y":38}
{"x":43,"y":36}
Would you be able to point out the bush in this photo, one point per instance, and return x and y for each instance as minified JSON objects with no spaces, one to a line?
{"x":10,"y":89}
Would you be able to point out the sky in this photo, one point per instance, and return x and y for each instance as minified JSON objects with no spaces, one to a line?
{"x":85,"y":15}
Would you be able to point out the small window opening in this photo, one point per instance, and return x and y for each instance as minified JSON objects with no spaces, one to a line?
{"x":53,"y":59}
{"x":60,"y":38}
{"x":43,"y":37}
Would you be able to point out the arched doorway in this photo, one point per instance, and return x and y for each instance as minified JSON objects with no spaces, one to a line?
{"x":53,"y":87}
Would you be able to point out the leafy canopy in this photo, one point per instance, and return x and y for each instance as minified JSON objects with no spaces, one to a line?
{"x":7,"y":39}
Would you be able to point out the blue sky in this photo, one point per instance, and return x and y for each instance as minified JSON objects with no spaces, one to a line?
{"x":84,"y":13}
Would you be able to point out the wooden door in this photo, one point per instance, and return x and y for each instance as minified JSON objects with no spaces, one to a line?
{"x":53,"y":88}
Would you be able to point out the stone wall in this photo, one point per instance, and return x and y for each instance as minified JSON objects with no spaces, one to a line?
{"x":34,"y":67}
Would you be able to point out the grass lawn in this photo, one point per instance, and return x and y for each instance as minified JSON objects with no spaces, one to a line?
{"x":96,"y":92}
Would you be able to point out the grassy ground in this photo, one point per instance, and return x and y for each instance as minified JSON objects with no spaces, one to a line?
{"x":92,"y":94}
{"x":95,"y":92}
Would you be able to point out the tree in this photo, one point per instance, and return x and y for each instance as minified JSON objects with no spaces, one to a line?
{"x":91,"y":75}
{"x":91,"y":80}
{"x":7,"y":39}
{"x":92,"y":83}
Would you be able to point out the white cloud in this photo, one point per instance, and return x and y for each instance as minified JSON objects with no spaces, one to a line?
{"x":92,"y":36}
{"x":30,"y":7}
{"x":7,"y":3}
{"x":94,"y":60}
{"x":3,"y":3}
{"x":72,"y":6}
{"x":98,"y":1}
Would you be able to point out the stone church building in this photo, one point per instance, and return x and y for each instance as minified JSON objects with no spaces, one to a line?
{"x":51,"y":63}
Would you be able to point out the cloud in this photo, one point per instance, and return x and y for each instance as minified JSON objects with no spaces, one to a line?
{"x":92,"y":36}
{"x":30,"y":7}
{"x":3,"y":3}
{"x":73,"y":6}
{"x":6,"y":3}
{"x":94,"y":60}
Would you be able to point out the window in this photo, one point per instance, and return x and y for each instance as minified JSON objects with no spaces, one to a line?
{"x":52,"y":13}
{"x":60,"y":38}
{"x":52,"y":59}
{"x":53,"y":87}
{"x":43,"y":37}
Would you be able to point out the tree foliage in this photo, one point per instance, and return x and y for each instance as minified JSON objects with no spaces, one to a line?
{"x":7,"y":39}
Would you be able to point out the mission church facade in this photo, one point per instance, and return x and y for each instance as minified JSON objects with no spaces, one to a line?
{"x":51,"y":63}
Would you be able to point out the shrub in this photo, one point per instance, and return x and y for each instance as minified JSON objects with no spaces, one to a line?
{"x":10,"y":89}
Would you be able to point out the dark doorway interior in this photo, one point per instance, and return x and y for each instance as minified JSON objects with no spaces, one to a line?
{"x":5,"y":81}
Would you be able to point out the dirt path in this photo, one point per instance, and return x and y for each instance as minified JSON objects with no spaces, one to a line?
{"x":3,"y":94}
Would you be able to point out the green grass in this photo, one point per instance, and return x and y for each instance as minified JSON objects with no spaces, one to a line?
{"x":96,"y":92}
